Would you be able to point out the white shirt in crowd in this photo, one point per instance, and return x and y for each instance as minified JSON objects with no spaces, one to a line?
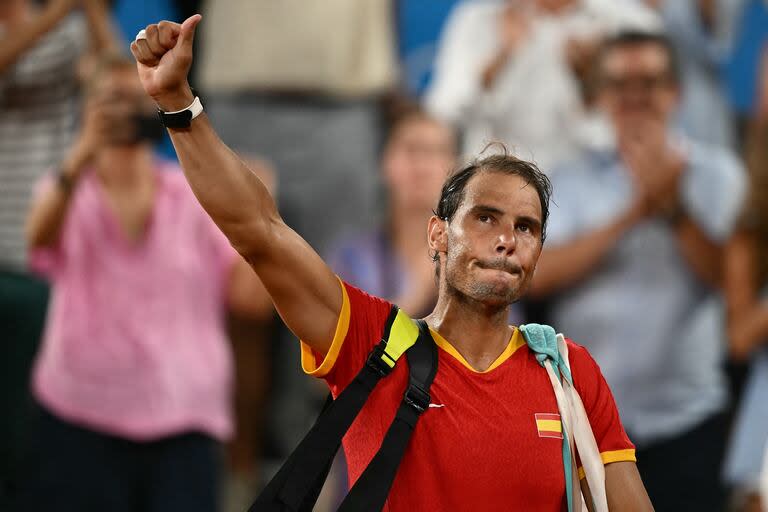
{"x":534,"y":105}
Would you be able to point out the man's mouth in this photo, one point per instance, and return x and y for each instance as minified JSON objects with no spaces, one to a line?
{"x":501,"y":265}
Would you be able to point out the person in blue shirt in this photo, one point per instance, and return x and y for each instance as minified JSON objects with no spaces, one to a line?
{"x":392,"y":260}
{"x":633,"y":264}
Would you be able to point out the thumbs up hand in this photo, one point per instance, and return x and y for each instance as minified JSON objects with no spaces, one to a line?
{"x":163,"y":53}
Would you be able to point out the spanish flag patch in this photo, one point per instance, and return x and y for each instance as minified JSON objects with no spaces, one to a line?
{"x":549,"y":425}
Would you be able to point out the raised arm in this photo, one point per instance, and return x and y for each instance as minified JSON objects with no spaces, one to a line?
{"x":100,"y":27}
{"x":48,"y":210}
{"x":747,"y":312}
{"x":305,"y":291}
{"x":20,"y":38}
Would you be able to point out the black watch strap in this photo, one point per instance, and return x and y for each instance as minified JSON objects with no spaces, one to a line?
{"x":181,"y":118}
{"x":175,"y":120}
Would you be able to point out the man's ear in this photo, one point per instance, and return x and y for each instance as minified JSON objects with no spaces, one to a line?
{"x":437,"y":235}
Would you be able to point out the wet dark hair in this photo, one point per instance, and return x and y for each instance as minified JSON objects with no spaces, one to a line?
{"x":627,"y":38}
{"x":452,"y":193}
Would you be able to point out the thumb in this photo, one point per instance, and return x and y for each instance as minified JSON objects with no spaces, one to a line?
{"x":187,"y":35}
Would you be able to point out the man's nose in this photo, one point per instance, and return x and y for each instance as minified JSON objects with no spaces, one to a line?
{"x":506,"y":242}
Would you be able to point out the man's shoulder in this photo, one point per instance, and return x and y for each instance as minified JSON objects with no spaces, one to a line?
{"x":580,"y":359}
{"x":576,"y":350}
{"x":711,"y":157}
{"x":362,"y":300}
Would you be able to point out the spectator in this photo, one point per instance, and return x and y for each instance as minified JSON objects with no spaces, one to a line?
{"x":634,"y":257}
{"x":746,"y":285}
{"x":303,"y":92}
{"x":502,"y":71}
{"x":135,"y":371}
{"x":702,"y":33}
{"x":319,"y":83}
{"x":40,"y":49}
{"x":393,"y":261}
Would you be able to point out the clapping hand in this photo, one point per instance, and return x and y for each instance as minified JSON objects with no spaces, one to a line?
{"x":655,"y":165}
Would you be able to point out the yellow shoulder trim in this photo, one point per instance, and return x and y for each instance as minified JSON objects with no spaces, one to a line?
{"x":308,"y":360}
{"x":627,"y":455}
{"x":515,"y":342}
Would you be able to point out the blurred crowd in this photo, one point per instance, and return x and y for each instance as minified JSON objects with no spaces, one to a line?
{"x":142,"y":365}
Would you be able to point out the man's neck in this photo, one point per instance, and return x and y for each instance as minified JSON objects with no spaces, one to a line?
{"x":478,"y":332}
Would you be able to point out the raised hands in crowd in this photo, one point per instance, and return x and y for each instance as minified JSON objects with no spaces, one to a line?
{"x":24,"y":25}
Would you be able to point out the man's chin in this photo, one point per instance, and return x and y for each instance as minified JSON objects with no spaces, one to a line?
{"x":496,"y":294}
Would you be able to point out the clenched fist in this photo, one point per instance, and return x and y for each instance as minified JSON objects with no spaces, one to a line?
{"x":163,"y":60}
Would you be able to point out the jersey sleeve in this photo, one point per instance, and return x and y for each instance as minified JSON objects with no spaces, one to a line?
{"x":612,"y":440}
{"x":358,"y":330}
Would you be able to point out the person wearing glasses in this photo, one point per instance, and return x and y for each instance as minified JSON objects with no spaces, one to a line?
{"x":633,"y":265}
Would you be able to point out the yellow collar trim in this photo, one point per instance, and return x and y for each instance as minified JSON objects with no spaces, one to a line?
{"x":515,"y":342}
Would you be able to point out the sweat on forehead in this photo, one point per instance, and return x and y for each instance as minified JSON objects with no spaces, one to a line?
{"x":454,"y":188}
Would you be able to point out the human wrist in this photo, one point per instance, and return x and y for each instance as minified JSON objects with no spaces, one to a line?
{"x":78,"y":157}
{"x":68,"y":174}
{"x":175,"y":100}
{"x":637,"y":211}
{"x":72,"y":167}
{"x":55,"y":11}
{"x":674,"y":213}
{"x":66,"y":181}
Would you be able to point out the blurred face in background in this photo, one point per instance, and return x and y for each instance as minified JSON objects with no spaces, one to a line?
{"x":555,"y":6}
{"x":418,"y":156}
{"x":124,"y":113}
{"x":637,"y":86}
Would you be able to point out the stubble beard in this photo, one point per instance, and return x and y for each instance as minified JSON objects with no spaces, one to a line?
{"x":485,"y":295}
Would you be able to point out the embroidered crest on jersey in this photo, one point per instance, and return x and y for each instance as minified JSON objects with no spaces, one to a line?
{"x":549,"y":425}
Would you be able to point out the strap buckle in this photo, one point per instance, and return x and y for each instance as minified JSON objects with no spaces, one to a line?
{"x":376,"y":359}
{"x":417,"y":397}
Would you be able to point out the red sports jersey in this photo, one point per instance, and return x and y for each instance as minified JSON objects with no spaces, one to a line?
{"x":489,"y":440}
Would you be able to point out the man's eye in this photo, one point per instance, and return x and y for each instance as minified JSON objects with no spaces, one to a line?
{"x":525,"y":228}
{"x":484,"y":218}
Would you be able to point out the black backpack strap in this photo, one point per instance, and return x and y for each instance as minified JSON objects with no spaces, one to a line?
{"x":372,"y":488}
{"x":297,"y":484}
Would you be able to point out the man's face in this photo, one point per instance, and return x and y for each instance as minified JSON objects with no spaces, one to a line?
{"x":490,"y":248}
{"x":416,"y":162}
{"x":637,"y":86}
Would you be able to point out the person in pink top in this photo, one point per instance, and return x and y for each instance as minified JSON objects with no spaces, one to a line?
{"x":135,"y":372}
